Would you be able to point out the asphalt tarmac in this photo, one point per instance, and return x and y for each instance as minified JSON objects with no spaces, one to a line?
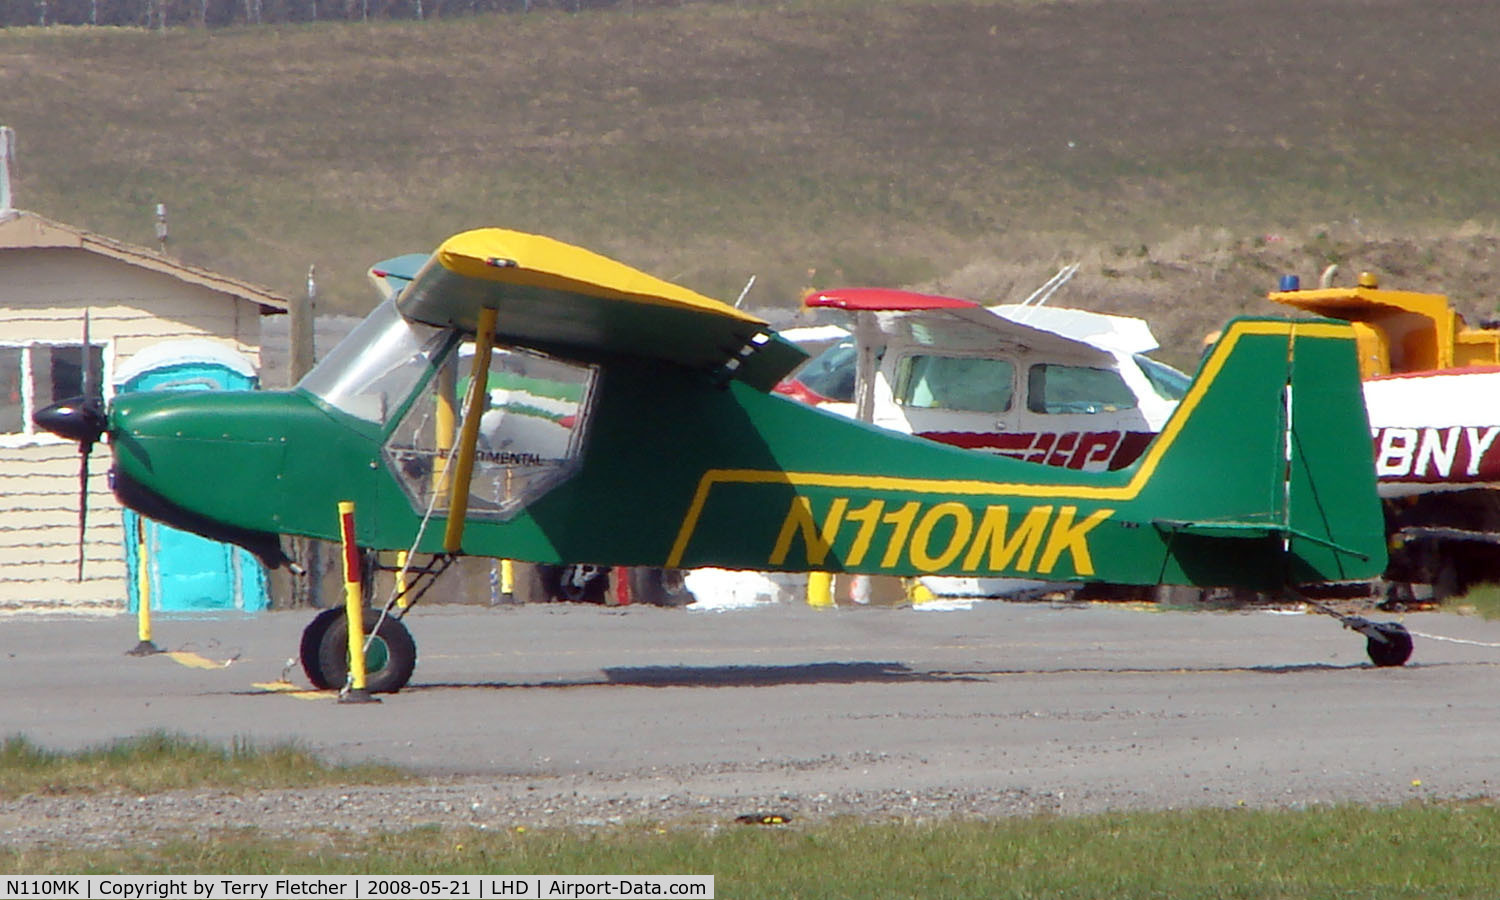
{"x":1092,"y":706}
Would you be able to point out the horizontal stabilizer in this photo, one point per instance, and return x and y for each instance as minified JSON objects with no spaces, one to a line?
{"x":1251,"y":530}
{"x":391,"y":275}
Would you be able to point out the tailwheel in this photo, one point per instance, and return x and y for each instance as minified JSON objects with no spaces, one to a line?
{"x":1388,"y":644}
{"x":390,"y":658}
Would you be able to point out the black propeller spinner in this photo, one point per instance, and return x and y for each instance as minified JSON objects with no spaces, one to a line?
{"x":81,"y":419}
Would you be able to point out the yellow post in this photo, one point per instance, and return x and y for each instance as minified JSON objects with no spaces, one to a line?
{"x":145,"y":646}
{"x":354,"y":609}
{"x":142,"y":583}
{"x":468,"y":437}
{"x":401,"y":599}
{"x":507,"y":577}
{"x":820,"y":589}
{"x":443,"y":423}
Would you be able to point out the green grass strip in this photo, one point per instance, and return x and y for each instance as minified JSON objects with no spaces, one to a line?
{"x":159,"y":761}
{"x":1445,"y":850}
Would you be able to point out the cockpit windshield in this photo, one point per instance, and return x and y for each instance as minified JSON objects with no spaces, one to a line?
{"x":375,"y":369}
{"x":1168,"y":383}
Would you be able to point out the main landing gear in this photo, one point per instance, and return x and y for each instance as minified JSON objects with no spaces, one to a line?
{"x":390,"y":656}
{"x":390,"y":652}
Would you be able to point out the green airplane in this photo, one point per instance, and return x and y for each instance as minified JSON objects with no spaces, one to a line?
{"x":611,"y":417}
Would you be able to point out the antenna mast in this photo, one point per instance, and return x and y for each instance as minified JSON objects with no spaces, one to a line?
{"x":161,"y":227}
{"x":7,"y":154}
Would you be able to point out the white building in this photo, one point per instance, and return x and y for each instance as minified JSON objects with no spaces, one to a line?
{"x":50,"y":274}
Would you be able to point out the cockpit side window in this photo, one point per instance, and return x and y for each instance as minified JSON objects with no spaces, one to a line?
{"x":532,"y":427}
{"x":1073,"y":390}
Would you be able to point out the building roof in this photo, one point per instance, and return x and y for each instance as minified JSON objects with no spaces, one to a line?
{"x":22,"y":230}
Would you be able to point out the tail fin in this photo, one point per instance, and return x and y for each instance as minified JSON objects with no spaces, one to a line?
{"x":1270,"y":446}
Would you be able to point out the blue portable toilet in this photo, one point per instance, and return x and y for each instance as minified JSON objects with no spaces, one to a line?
{"x":188,"y":572}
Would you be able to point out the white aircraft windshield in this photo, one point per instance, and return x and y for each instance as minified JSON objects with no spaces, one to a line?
{"x":373,"y":370}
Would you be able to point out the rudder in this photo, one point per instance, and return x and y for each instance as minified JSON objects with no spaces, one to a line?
{"x":1270,"y":445}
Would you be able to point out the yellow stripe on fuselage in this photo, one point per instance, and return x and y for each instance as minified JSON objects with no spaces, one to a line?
{"x":1144,"y":469}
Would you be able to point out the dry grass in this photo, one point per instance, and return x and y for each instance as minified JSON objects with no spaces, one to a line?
{"x":1415,"y":851}
{"x":968,"y":146}
{"x":157,"y":761}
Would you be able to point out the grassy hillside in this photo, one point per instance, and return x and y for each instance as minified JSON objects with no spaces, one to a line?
{"x":1185,"y":151}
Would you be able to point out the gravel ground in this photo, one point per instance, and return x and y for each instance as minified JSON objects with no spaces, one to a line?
{"x":114,"y":820}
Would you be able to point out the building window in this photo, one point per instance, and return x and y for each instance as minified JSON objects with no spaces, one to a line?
{"x":36,"y":375}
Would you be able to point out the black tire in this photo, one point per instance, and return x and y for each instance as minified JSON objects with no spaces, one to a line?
{"x":658,"y":587}
{"x":311,"y":646}
{"x":1395,"y":650}
{"x":539,"y":583}
{"x":594,"y":587}
{"x":391,"y":659}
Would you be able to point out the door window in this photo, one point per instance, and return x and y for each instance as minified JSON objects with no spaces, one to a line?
{"x":531,"y":431}
{"x":963,"y":383}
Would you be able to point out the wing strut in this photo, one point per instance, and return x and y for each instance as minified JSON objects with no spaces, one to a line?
{"x":468,"y":437}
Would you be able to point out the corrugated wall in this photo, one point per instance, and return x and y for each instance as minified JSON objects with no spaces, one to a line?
{"x":39,"y":531}
{"x":42,"y":297}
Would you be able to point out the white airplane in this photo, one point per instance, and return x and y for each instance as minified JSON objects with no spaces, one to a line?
{"x":1065,"y":387}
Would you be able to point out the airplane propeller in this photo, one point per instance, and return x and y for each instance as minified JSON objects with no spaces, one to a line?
{"x":81,"y":419}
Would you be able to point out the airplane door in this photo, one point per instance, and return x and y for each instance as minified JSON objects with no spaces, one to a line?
{"x":1080,"y":417}
{"x":966,"y":401}
{"x":185,"y":571}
